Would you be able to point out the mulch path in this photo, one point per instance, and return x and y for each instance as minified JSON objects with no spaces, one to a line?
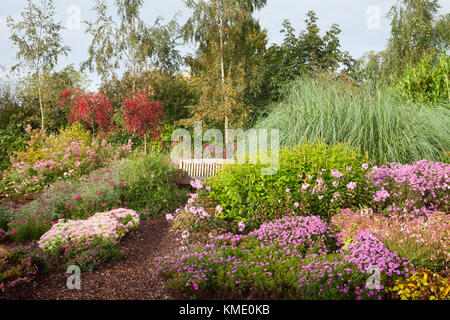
{"x":133,"y":278}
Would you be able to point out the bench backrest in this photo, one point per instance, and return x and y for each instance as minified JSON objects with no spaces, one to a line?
{"x":202,"y":168}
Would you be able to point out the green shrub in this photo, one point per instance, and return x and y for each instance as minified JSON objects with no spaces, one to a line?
{"x":88,"y":255}
{"x":5,"y":216}
{"x":149,"y":185}
{"x":377,"y":124}
{"x":427,"y":82}
{"x":304,"y":184}
{"x":11,"y":140}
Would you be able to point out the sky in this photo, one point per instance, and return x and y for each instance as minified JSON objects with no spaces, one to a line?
{"x":363,"y":23}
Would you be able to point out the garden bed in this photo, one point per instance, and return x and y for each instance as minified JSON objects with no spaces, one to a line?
{"x":133,"y":278}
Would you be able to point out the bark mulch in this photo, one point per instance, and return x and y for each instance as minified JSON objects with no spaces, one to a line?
{"x":133,"y":278}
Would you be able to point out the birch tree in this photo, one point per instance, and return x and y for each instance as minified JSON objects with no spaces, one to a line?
{"x":39,"y":43}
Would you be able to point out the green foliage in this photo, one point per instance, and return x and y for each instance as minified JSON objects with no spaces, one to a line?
{"x":11,"y":140}
{"x":149,"y":185}
{"x":228,"y":61}
{"x":5,"y":216}
{"x":247,"y":195}
{"x":172,"y":89}
{"x":413,"y":34}
{"x":306,"y":53}
{"x":129,"y":44}
{"x":98,"y":192}
{"x":39,"y":43}
{"x":89,"y":254}
{"x":52,"y":86}
{"x":426,"y":82}
{"x":378,"y":124}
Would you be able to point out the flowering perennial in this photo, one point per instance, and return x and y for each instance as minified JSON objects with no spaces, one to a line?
{"x":110,"y":225}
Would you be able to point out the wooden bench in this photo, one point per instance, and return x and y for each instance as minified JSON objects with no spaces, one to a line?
{"x":199,"y":169}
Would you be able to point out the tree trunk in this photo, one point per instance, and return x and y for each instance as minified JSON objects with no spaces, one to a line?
{"x":134,"y":54}
{"x":145,"y":143}
{"x":41,"y":106}
{"x":222,"y":69}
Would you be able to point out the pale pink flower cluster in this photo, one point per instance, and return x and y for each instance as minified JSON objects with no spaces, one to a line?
{"x":106,"y":225}
{"x":197,"y":184}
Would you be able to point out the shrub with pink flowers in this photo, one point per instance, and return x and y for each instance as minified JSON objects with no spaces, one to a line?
{"x":21,"y":267}
{"x":414,"y":189}
{"x":89,"y":254}
{"x":3,"y":235}
{"x":201,"y":218}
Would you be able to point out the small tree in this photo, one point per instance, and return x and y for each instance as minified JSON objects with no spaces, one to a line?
{"x":39,"y":43}
{"x":142,"y":117}
{"x":92,"y":110}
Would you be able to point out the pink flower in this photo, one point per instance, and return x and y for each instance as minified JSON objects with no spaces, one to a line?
{"x":241,"y":226}
{"x":336,"y":173}
{"x":196,"y":184}
{"x":351,"y":185}
{"x":169,"y":216}
{"x":185,"y":234}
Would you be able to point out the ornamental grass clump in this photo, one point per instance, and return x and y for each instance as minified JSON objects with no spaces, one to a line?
{"x":377,"y":124}
{"x":414,"y":189}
